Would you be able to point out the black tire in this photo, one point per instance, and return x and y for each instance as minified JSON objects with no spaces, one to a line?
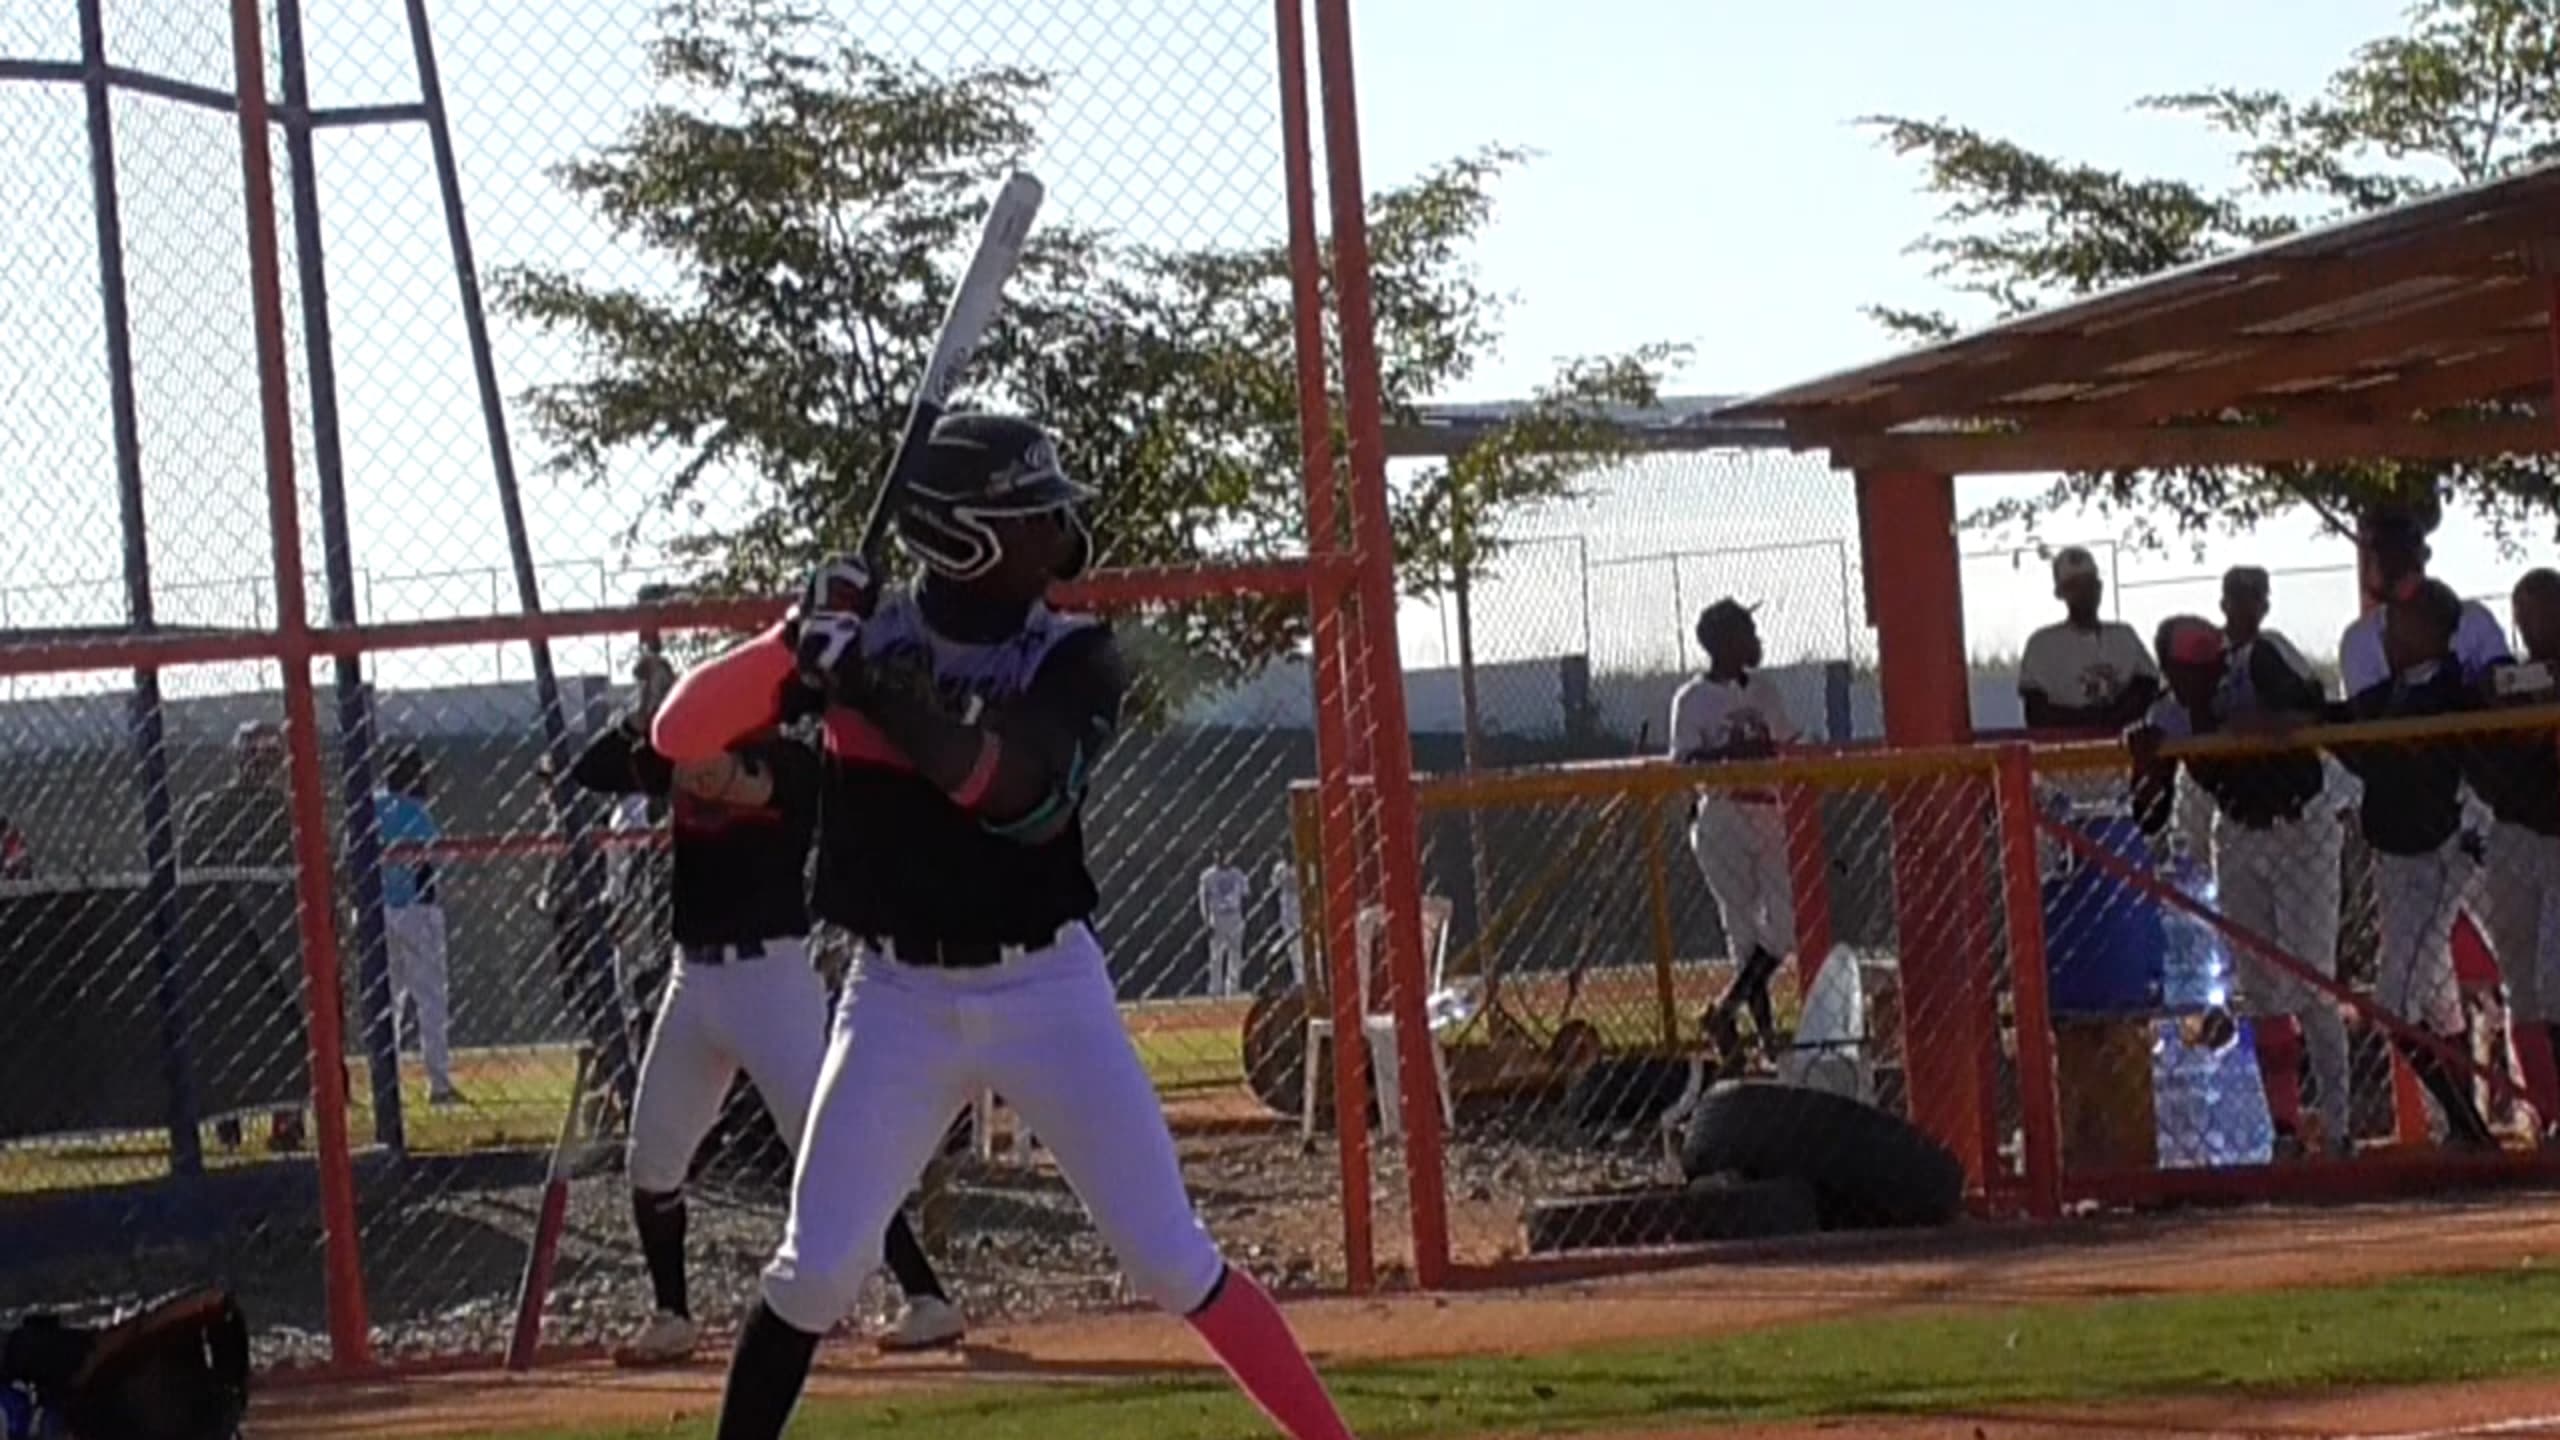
{"x":1868,"y":1169}
{"x":1623,"y":1090}
{"x":1718,"y":1208}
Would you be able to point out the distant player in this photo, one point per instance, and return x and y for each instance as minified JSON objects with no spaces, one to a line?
{"x":2084,"y":672}
{"x":1739,"y":836}
{"x":413,"y":921}
{"x":1290,"y":911}
{"x":741,"y":993}
{"x":1224,"y":891}
{"x":2411,"y":815}
{"x":964,"y":722}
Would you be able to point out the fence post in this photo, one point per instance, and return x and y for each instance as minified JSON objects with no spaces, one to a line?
{"x":1392,"y":748}
{"x":2022,"y":893}
{"x":1337,"y":851}
{"x":350,"y":1334}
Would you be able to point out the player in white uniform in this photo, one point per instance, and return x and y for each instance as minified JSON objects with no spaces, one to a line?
{"x":1290,"y":911}
{"x":2274,"y":841}
{"x":2085,"y":673}
{"x":1224,"y":891}
{"x":2519,"y":775}
{"x":964,"y":718}
{"x":741,"y":994}
{"x":1739,"y":836}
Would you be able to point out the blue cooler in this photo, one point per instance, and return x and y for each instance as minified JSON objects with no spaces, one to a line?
{"x":2104,"y":940}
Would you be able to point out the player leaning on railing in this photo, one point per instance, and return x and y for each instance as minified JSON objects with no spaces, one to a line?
{"x":741,"y":994}
{"x":2274,"y":844}
{"x":2519,"y":776}
{"x":963,"y":721}
{"x":2411,"y":816}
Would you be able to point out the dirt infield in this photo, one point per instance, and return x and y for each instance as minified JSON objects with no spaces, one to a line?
{"x":1987,"y":1265}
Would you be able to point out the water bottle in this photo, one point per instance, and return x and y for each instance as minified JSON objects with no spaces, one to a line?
{"x":2210,"y":1104}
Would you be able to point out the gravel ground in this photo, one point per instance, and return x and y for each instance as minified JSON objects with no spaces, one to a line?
{"x":442,"y":1269}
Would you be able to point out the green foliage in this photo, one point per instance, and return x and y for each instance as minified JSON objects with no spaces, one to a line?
{"x":812,"y":202}
{"x":2470,"y":90}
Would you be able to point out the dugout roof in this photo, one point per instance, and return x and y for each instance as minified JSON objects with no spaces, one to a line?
{"x":2421,"y":332}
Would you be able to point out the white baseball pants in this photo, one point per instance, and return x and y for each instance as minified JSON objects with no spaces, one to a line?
{"x":2515,"y":895}
{"x":1742,"y":852}
{"x":2282,"y":882}
{"x":765,"y":1015}
{"x":414,"y":942}
{"x":2418,"y":897}
{"x":1226,"y":954}
{"x":911,"y":1046}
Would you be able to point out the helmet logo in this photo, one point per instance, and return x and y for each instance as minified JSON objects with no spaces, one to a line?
{"x":1037,"y":461}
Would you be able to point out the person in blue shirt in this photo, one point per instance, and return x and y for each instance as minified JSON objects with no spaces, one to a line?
{"x":413,"y":925}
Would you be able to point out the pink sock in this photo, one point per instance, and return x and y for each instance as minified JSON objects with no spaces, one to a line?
{"x":1249,"y":1336}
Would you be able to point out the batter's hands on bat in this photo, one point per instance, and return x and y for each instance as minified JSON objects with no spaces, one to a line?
{"x":825,"y":628}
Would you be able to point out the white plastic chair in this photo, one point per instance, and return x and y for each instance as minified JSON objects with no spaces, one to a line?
{"x":1379,"y":1029}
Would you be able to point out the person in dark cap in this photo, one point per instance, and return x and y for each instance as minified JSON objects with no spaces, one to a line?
{"x":2083,"y":672}
{"x":1739,"y":833}
{"x":2391,"y":541}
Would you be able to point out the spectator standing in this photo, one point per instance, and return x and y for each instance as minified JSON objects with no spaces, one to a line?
{"x":1224,"y":891}
{"x":2083,"y":672}
{"x":2391,"y":564}
{"x":413,"y":920}
{"x":246,"y":824}
{"x":1739,"y":834}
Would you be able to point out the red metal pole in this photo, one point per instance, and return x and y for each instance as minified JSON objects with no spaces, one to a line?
{"x":1398,"y":853}
{"x":2022,"y":891}
{"x":1339,"y":905}
{"x":350,"y":1335}
{"x":1809,"y":864}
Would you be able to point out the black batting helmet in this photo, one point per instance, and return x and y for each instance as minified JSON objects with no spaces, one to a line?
{"x":983,"y":467}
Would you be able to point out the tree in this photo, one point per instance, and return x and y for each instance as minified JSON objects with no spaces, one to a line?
{"x":2469,"y":91}
{"x":813,"y":200}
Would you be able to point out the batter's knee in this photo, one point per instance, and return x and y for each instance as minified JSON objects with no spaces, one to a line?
{"x":813,"y":1286}
{"x":1179,"y":1274}
{"x":652,"y":1165}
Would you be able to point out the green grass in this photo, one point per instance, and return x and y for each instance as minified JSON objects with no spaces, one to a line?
{"x":2427,"y":1330}
{"x":516,"y":1095}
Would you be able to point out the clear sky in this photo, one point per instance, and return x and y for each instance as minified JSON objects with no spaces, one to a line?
{"x":1699,"y":177}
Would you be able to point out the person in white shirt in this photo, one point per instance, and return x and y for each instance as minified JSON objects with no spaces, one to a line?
{"x":1287,"y":909}
{"x":1739,"y":836}
{"x":2391,"y":541}
{"x":2085,"y":673}
{"x":1223,"y":892}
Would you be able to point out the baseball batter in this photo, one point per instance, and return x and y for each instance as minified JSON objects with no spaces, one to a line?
{"x":964,"y":720}
{"x":741,"y":994}
{"x":1739,"y":835}
{"x":2411,"y":815}
{"x":1223,"y":894}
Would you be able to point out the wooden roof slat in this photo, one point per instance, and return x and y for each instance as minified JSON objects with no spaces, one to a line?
{"x":2518,"y":364}
{"x":2228,"y":385}
{"x":2170,"y":447}
{"x":2463,"y":234}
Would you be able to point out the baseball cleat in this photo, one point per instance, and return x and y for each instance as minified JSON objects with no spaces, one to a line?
{"x":665,"y":1340}
{"x":925,"y":1324}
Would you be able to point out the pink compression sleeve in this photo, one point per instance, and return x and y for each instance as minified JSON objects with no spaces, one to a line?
{"x":733,"y":694}
{"x":1247,"y":1333}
